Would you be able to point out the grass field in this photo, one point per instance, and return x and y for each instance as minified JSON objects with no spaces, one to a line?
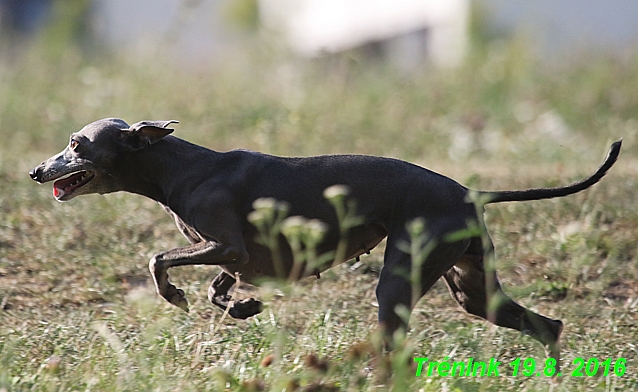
{"x":77,"y":308}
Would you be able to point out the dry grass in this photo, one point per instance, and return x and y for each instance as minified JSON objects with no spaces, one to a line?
{"x":77,"y":311}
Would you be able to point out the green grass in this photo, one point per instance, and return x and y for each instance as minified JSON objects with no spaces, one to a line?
{"x":78,"y":311}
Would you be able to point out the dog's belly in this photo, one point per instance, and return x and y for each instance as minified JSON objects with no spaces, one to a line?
{"x":261,"y":264}
{"x":365,"y":241}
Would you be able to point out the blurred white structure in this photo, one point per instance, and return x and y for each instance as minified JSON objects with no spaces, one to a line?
{"x":409,"y":30}
{"x":404,"y":31}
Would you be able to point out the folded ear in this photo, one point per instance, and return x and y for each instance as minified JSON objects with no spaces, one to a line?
{"x":145,"y":133}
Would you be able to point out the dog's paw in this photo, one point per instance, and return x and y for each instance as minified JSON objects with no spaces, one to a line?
{"x":180,"y":300}
{"x":176,"y":297}
{"x":245,"y":308}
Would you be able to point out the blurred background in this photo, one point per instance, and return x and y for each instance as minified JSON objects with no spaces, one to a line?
{"x":497,"y":94}
{"x":456,"y":79}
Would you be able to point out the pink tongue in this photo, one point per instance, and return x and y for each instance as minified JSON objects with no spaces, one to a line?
{"x":56,"y":192}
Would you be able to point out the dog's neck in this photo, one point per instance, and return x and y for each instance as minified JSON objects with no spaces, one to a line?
{"x":167,"y":170}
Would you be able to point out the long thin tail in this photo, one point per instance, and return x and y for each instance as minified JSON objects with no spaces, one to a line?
{"x":548,"y":193}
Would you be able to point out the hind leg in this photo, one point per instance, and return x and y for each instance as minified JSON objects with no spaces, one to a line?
{"x":479,"y":293}
{"x":397,"y":287}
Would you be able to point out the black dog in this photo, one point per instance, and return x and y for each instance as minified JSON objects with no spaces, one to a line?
{"x":210,"y":194}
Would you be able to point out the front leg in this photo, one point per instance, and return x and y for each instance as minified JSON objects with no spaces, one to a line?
{"x":206,"y":252}
{"x":218,"y":296}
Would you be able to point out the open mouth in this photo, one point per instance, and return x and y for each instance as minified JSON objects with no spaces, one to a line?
{"x":70,"y":184}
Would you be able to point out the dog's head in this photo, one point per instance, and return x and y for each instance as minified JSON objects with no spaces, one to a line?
{"x":86,"y":164}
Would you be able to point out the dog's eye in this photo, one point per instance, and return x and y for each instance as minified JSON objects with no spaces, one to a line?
{"x":73,"y":144}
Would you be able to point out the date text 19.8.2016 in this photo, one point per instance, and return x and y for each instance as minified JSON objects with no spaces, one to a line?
{"x":518,"y":367}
